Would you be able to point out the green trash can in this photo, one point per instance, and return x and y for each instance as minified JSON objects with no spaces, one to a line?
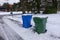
{"x":40,"y":24}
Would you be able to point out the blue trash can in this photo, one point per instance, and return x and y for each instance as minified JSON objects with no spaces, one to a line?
{"x":26,"y":20}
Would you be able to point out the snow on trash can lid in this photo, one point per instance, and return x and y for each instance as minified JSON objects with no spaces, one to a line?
{"x":41,"y":16}
{"x":26,"y":14}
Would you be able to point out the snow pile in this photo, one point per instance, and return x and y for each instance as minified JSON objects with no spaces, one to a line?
{"x":19,"y":12}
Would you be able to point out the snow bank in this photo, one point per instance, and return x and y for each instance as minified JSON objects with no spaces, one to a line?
{"x":5,"y":13}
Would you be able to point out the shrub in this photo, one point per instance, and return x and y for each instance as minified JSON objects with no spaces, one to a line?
{"x":50,"y":10}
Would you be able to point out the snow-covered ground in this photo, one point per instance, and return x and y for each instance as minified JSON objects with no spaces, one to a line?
{"x":52,"y":26}
{"x":8,"y":13}
{"x":6,"y":33}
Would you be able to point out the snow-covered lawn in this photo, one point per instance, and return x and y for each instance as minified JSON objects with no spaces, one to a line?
{"x":52,"y":26}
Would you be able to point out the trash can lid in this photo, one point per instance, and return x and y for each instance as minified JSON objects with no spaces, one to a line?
{"x":41,"y":16}
{"x":26,"y":14}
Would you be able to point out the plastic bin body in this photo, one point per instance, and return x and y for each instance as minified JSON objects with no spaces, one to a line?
{"x":26,"y":21}
{"x":40,"y":24}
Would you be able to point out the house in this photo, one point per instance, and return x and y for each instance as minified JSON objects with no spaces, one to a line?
{"x":2,"y":8}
